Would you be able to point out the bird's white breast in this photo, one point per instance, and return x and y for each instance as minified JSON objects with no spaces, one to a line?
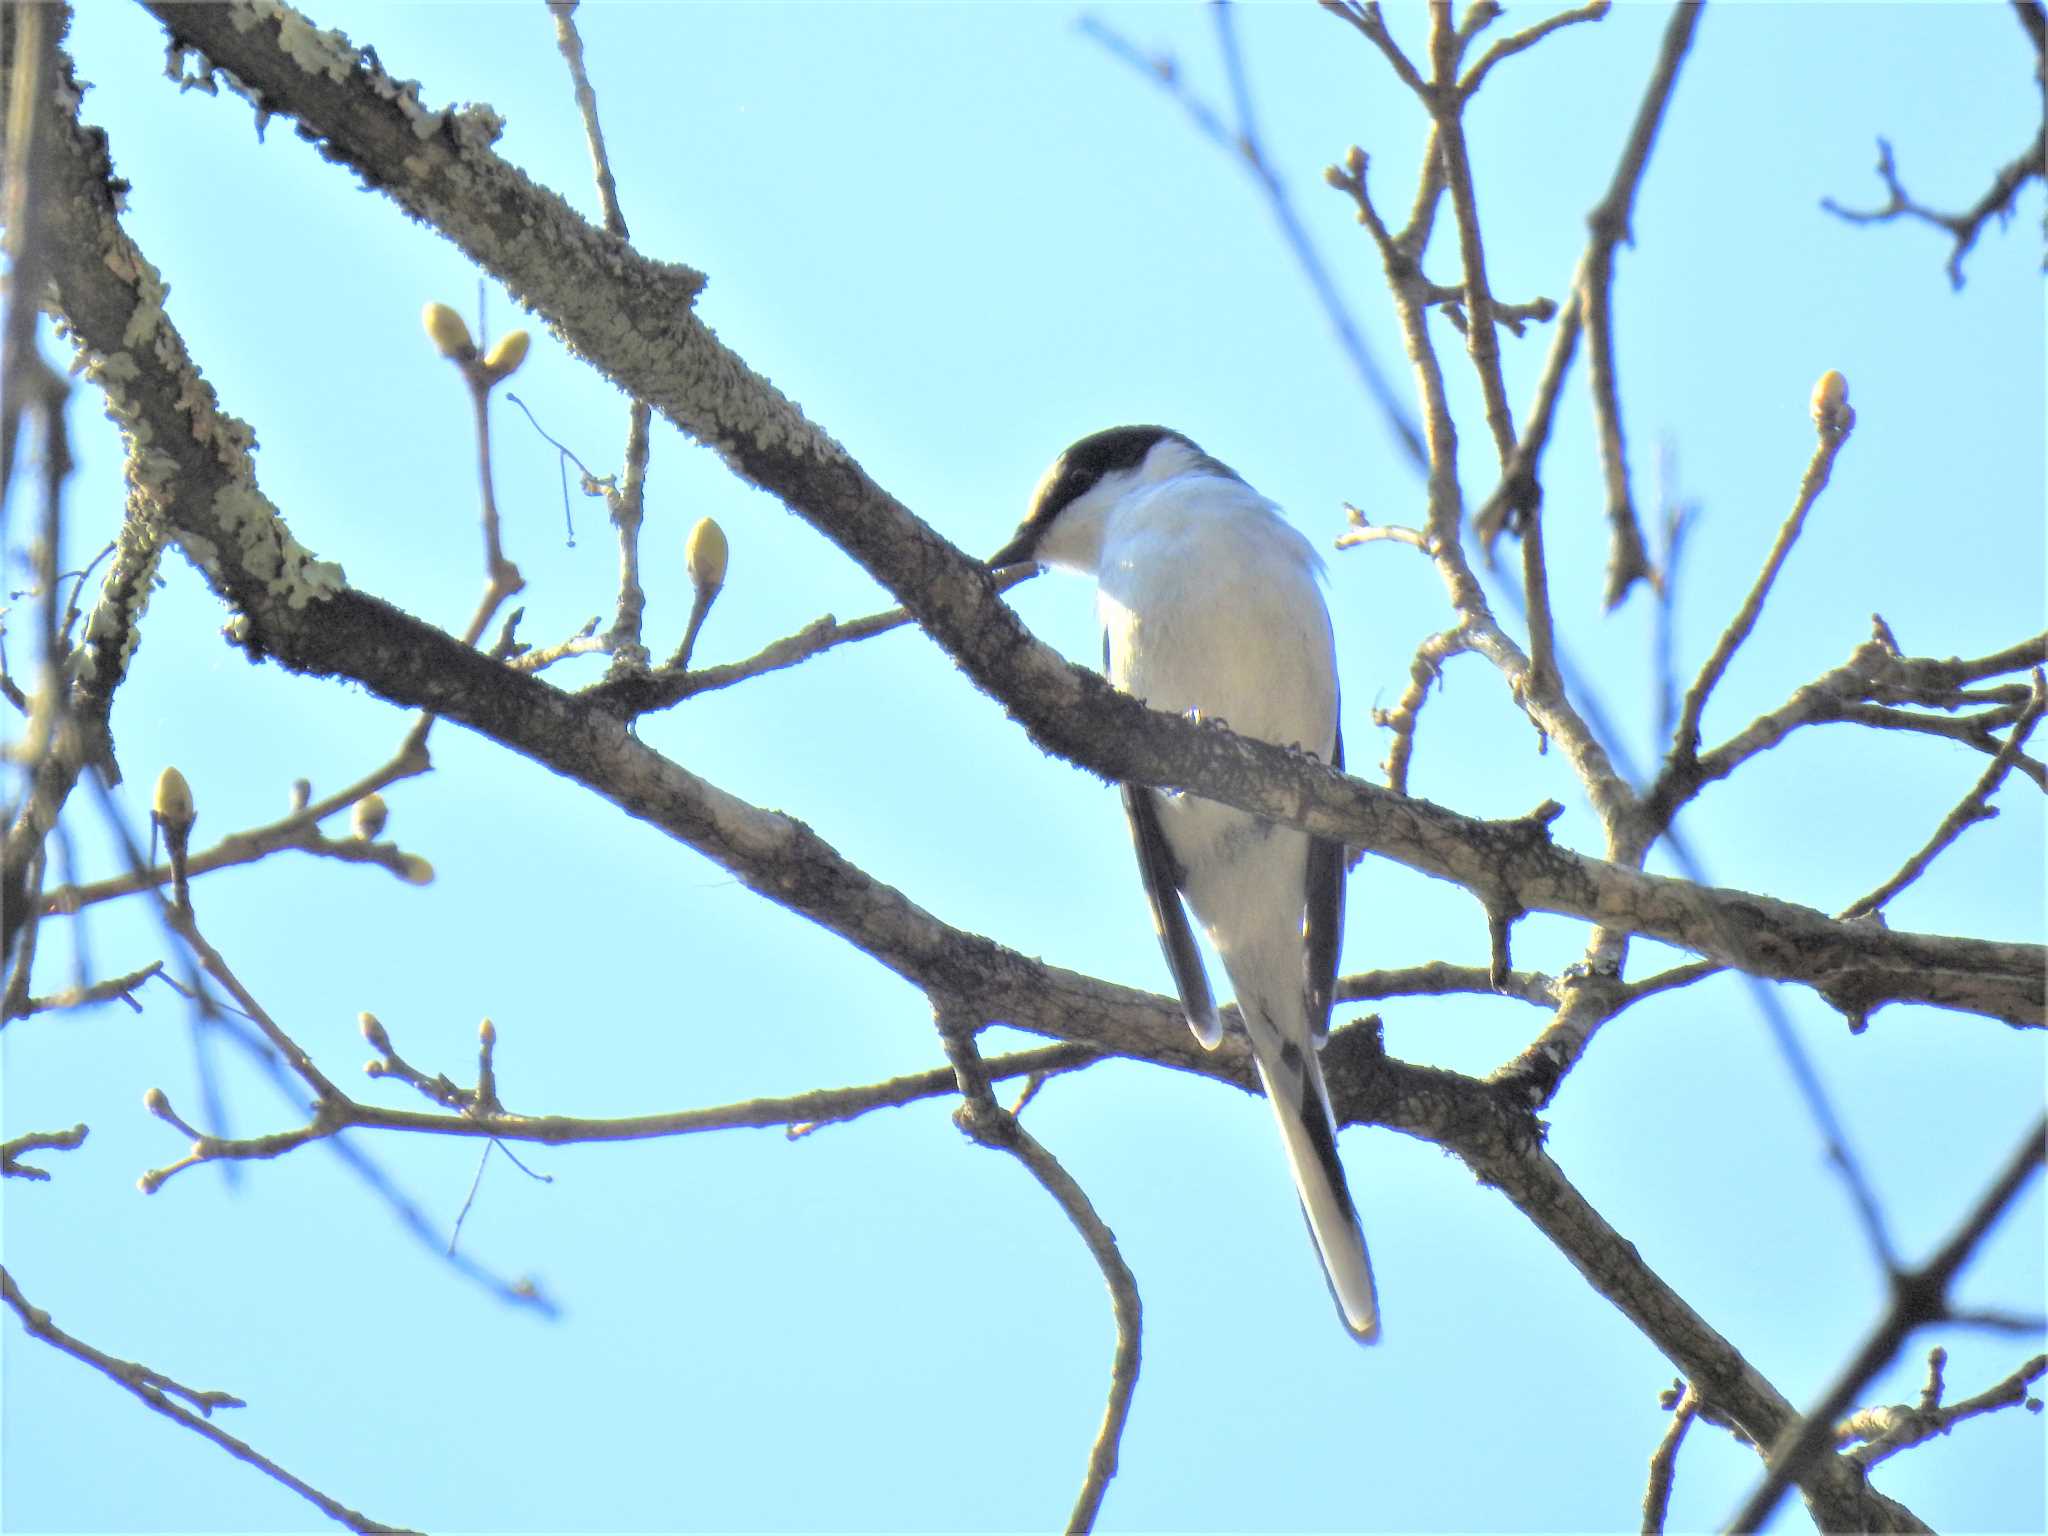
{"x":1210,"y":602}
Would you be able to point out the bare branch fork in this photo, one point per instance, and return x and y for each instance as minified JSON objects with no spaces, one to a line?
{"x":1962,"y":228}
{"x":1071,"y":709}
{"x":1919,"y":1297}
{"x":767,"y":441}
{"x":989,"y":1124}
{"x":161,"y":1393}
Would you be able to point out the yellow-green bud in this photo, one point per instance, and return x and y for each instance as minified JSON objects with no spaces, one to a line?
{"x":1831,"y":402}
{"x":302,"y":794}
{"x":504,"y":358}
{"x":368,"y":818}
{"x":373,"y":1031}
{"x":487,"y":1032}
{"x":173,"y":804}
{"x":415,"y":870}
{"x":156,"y":1101}
{"x":707,"y":554}
{"x":447,"y":331}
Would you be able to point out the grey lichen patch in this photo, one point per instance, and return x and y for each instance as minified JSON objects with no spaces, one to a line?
{"x":317,"y":52}
{"x":202,"y":552}
{"x":266,"y":549}
{"x":110,"y":373}
{"x":477,"y":127}
{"x":147,"y":318}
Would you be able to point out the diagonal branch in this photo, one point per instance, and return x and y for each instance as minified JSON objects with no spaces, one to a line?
{"x":1588,"y":309}
{"x":160,"y":1393}
{"x":1919,"y":1297}
{"x":1972,"y":808}
{"x":317,"y":628}
{"x":1686,"y":739}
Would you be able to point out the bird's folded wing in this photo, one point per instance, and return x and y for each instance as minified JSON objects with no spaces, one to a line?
{"x":1162,"y":876}
{"x":1322,"y":923}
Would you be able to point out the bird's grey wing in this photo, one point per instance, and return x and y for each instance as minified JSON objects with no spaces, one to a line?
{"x":1162,"y":875}
{"x":1322,"y":923}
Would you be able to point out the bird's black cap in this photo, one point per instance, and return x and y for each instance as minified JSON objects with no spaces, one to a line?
{"x":1073,"y":475}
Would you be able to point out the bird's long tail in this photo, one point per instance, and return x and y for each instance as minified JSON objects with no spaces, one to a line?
{"x":1293,"y":1081}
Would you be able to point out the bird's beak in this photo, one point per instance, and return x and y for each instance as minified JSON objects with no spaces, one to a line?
{"x":1011,"y":553}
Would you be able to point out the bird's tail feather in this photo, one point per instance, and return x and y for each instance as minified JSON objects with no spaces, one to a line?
{"x":1308,"y":1131}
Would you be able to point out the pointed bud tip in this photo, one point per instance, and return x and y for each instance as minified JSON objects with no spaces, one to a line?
{"x":173,"y":803}
{"x":707,"y":555}
{"x":446,"y":330}
{"x":505,"y":357}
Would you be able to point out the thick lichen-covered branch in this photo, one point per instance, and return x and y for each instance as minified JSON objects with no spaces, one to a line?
{"x":1067,"y":708}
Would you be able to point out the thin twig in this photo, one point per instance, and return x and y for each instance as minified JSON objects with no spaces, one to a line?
{"x":299,"y":830}
{"x":1972,"y":808}
{"x":1507,"y":47}
{"x":1874,"y":670}
{"x":1246,"y":146}
{"x":1963,"y":228}
{"x":571,"y":43}
{"x":628,"y":503}
{"x":1609,"y":226}
{"x":1918,"y":1297}
{"x":1367,"y":19}
{"x":1551,"y":710}
{"x":158,"y":1391}
{"x":122,"y":987}
{"x":1425,"y":671}
{"x":1438,"y":978}
{"x":1686,"y":738}
{"x":1482,"y":341}
{"x":1664,"y":1462}
{"x":1889,"y":1430}
{"x":800,"y":1115}
{"x":985,"y":1121}
{"x":11,"y":1165}
{"x":630,"y":696}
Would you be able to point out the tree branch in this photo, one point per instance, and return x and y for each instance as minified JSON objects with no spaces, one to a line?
{"x":159,"y":1392}
{"x":1963,"y":228}
{"x":990,"y":1125}
{"x":1066,"y":708}
{"x":1919,"y":1297}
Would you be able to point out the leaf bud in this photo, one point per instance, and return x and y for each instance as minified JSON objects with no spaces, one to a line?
{"x":373,"y":1031}
{"x":173,"y":805}
{"x":414,"y":870}
{"x":1831,"y":403}
{"x":368,"y":818}
{"x":706,"y":555}
{"x":504,"y":359}
{"x":446,"y":330}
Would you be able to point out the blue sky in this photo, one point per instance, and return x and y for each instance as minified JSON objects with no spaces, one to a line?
{"x":960,"y":238}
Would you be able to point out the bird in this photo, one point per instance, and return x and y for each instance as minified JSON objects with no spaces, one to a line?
{"x":1211,"y":606}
